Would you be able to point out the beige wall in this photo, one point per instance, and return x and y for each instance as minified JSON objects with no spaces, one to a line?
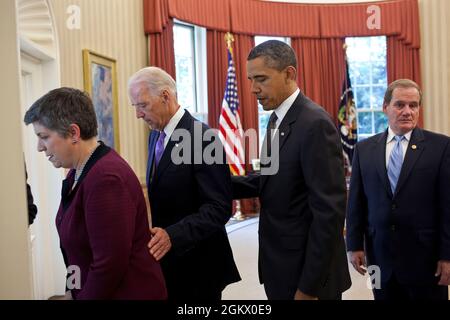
{"x":435,"y":33}
{"x":113,"y":28}
{"x":15,"y":272}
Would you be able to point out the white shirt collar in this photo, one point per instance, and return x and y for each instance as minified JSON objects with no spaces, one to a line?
{"x":284,"y":107}
{"x":391,"y":135}
{"x":170,"y":127}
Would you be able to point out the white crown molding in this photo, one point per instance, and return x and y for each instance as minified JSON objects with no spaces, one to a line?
{"x":36,"y":27}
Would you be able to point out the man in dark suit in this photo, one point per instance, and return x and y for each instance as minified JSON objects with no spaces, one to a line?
{"x":301,"y":186}
{"x":190,"y":200}
{"x":398,"y":215}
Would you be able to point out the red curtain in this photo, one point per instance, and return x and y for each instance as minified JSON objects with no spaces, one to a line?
{"x":248,"y":107}
{"x":159,"y":28}
{"x":217,"y":72}
{"x":403,"y":62}
{"x":317,"y":31}
{"x":162,"y":52}
{"x":211,"y":14}
{"x":216,"y":52}
{"x":217,"y":64}
{"x":270,"y":18}
{"x":321,"y":70}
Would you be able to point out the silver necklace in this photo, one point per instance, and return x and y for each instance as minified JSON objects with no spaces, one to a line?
{"x":79,"y":172}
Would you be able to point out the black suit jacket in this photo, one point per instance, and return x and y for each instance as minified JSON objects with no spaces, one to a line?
{"x":301,"y":244}
{"x":405,"y":233}
{"x":192,"y":202}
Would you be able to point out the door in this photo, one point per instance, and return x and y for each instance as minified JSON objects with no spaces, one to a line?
{"x":45,"y":182}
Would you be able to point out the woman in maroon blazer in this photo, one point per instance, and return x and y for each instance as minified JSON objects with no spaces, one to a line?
{"x":102,"y":220}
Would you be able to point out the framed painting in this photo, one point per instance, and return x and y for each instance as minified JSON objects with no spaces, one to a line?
{"x":100,"y":81}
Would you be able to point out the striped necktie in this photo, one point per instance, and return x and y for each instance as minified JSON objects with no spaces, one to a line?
{"x":395,"y":162}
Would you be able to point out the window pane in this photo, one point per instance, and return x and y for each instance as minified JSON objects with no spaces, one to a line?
{"x":378,"y":48}
{"x":263,"y":121}
{"x":358,"y":48}
{"x":362,"y":97}
{"x":361,"y":73}
{"x":379,"y":73}
{"x":185,"y":66}
{"x":365,"y":122}
{"x":367,"y":67}
{"x":381,"y":122}
{"x":377,"y":97}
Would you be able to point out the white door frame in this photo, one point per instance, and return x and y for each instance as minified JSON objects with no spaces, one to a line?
{"x":40,"y":73}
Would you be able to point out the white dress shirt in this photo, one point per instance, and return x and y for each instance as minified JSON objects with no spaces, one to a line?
{"x":284,"y":107}
{"x":390,"y":143}
{"x":172,"y":124}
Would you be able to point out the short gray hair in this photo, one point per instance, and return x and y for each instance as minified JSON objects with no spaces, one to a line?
{"x":277,"y":54}
{"x":60,"y":108}
{"x":156,"y":80}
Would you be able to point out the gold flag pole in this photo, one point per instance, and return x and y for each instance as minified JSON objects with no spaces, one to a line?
{"x":229,"y":39}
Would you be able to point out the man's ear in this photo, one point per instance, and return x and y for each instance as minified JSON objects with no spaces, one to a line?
{"x":165,"y":96}
{"x":74,"y":133}
{"x":291,"y":73}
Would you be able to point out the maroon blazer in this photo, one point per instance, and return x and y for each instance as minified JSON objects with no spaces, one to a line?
{"x":103,"y":229}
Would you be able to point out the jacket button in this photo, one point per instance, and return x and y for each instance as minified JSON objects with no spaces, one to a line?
{"x":393,"y":227}
{"x":394,"y":206}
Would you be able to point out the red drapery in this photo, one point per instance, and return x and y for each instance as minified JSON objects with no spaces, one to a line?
{"x":217,"y":71}
{"x":317,"y":31}
{"x":325,"y":24}
{"x":321,"y":70}
{"x":159,"y":27}
{"x":216,"y":56}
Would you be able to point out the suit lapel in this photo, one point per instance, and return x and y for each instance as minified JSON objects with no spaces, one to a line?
{"x":380,"y":159}
{"x":166,"y":156}
{"x":415,"y":148}
{"x":284,"y":130}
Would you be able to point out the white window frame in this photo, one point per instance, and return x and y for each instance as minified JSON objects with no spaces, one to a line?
{"x":200,"y":70}
{"x":373,"y":108}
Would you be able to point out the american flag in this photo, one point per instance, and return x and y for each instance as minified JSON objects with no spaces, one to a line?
{"x":230,"y":128}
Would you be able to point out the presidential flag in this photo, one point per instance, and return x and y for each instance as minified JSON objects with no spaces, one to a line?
{"x":347,"y":120}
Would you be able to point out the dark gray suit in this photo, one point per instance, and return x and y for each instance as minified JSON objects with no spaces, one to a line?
{"x":301,"y":244}
{"x":193,"y":203}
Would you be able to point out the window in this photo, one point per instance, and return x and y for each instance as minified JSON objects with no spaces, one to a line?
{"x":367,"y":68}
{"x":190,"y":48}
{"x":263,"y":115}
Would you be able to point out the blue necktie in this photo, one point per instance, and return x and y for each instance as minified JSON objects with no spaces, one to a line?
{"x":395,"y":162}
{"x":159,"y":149}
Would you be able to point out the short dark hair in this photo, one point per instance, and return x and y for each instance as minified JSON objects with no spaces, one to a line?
{"x":277,"y":54}
{"x":60,"y":108}
{"x":400,"y":83}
